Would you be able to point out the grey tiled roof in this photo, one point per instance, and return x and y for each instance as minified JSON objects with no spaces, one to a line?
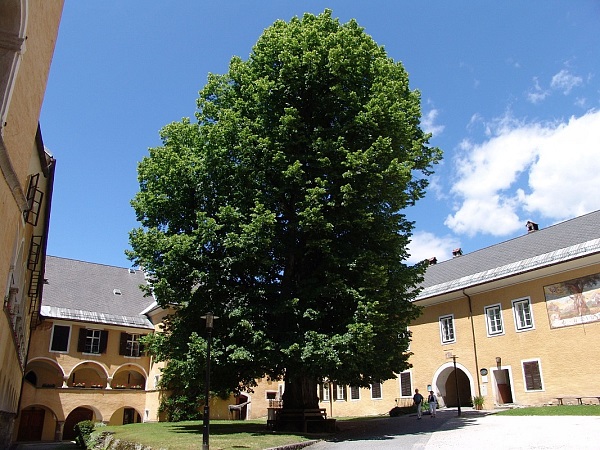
{"x":561,"y":242}
{"x":84,"y":291}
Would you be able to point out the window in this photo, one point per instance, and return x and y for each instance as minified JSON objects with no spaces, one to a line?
{"x":523,"y":316}
{"x":532,"y":375}
{"x":325,"y":392}
{"x":447,"y":329}
{"x":92,"y":341}
{"x":376,"y":391}
{"x":354,"y":393}
{"x":493,"y":320}
{"x":59,"y":342}
{"x":340,"y":392}
{"x":271,"y":395}
{"x":405,"y":384}
{"x":130,"y":345}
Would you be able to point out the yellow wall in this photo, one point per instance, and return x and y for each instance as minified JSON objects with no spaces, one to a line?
{"x":18,"y":131}
{"x":563,"y":353}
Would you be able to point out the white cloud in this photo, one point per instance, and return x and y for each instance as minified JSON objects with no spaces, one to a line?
{"x":425,"y":245}
{"x":537,"y":94}
{"x":527,"y":170}
{"x":429,"y":125}
{"x":565,"y":81}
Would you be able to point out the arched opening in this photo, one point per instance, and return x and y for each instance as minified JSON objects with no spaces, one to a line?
{"x":445,"y":382}
{"x":44,"y":373}
{"x":31,"y":376}
{"x":239,"y":411}
{"x":76,"y":416}
{"x":88,"y":375}
{"x":464,"y":389}
{"x":128,"y":377}
{"x":36,"y":423}
{"x":124,"y":416}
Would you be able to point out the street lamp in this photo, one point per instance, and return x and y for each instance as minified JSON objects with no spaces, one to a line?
{"x":210,"y":317}
{"x":449,"y":354}
{"x":456,"y":382}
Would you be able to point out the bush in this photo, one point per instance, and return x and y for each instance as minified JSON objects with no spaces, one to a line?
{"x":83,"y":430}
{"x":180,"y":407}
{"x":395,"y":411}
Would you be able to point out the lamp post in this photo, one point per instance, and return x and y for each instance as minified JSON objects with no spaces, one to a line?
{"x":210,"y":317}
{"x":456,"y":383}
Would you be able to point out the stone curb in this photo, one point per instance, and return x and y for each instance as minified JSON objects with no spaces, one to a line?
{"x":294,"y":446}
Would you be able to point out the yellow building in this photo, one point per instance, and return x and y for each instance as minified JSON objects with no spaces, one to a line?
{"x":517,"y":318}
{"x":511,"y":318}
{"x":28,"y":30}
{"x":86,"y":361}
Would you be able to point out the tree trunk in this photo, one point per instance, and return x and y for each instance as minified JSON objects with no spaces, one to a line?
{"x":300,"y":405}
{"x":300,"y":392}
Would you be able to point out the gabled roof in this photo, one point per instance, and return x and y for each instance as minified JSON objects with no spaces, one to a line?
{"x":565,"y":241}
{"x":96,"y":293}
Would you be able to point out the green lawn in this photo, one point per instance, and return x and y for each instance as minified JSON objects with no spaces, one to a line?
{"x":224,"y":434}
{"x":565,"y":410}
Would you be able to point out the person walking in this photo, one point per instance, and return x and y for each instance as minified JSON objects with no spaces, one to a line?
{"x":418,"y":401}
{"x":432,"y":400}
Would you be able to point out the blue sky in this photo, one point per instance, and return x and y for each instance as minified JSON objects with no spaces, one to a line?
{"x":510,"y":91}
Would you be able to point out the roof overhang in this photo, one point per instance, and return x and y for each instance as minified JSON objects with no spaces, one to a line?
{"x":79,"y":315}
{"x":547,"y":264}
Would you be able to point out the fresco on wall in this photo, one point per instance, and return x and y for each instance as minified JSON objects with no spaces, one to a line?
{"x":574,"y":301}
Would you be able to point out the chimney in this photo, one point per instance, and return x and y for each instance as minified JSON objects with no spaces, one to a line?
{"x":457,"y":252}
{"x":531,"y":226}
{"x":432,"y":261}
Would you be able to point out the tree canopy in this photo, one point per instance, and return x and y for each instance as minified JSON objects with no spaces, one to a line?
{"x":281,"y":209}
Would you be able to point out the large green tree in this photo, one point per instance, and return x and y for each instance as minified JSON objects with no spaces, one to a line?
{"x":281,"y":210}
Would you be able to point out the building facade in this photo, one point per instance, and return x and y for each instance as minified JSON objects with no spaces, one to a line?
{"x":28,"y":31}
{"x":505,"y":323}
{"x":86,"y":361}
{"x":515,"y":319}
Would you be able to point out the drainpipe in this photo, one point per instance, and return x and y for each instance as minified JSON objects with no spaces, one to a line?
{"x":474,"y":342}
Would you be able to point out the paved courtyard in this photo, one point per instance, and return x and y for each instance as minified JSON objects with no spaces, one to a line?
{"x":473,"y":430}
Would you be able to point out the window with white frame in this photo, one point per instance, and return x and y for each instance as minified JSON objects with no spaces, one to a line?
{"x":493,"y":320}
{"x":376,"y":391}
{"x":130,"y":345}
{"x":339,"y":391}
{"x":92,"y":341}
{"x":325,"y":392}
{"x":354,"y":393}
{"x":523,"y":314}
{"x":405,"y":384}
{"x":59,"y":342}
{"x":447,"y":329}
{"x":532,"y":375}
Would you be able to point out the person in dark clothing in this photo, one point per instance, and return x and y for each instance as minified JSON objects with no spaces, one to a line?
{"x":418,"y":401}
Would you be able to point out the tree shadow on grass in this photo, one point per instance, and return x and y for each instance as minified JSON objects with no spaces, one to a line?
{"x":241,"y":427}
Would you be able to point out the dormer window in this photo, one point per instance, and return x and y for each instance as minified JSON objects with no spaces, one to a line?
{"x":117,"y":291}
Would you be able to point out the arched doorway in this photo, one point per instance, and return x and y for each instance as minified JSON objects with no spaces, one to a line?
{"x":76,"y":416}
{"x":464,"y":389}
{"x":445,"y":382}
{"x":31,"y":424}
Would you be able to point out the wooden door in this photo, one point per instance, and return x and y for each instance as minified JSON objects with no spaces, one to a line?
{"x":31,"y":425}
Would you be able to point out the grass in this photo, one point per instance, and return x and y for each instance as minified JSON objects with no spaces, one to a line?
{"x":564,"y":410}
{"x":224,"y":434}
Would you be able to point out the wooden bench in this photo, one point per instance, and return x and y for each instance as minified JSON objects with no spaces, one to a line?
{"x":312,"y":420}
{"x":579,"y":398}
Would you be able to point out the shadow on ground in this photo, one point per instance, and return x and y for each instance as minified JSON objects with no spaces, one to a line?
{"x":383,"y":428}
